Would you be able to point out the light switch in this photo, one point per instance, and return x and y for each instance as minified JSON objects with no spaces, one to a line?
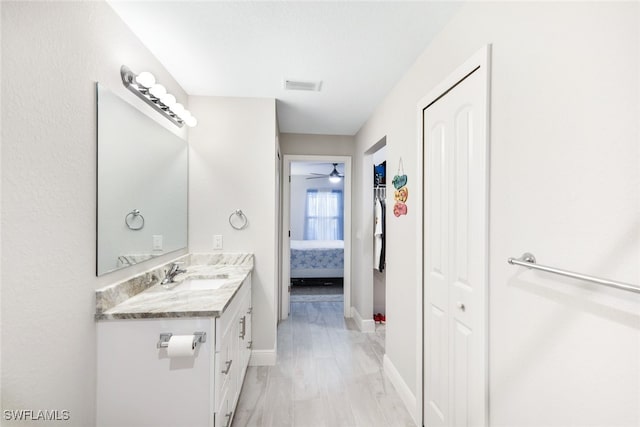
{"x":217,"y":241}
{"x":157,"y":242}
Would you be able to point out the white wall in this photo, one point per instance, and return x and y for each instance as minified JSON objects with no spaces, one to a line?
{"x":380,"y":156}
{"x":319,"y":145}
{"x":231,"y":166}
{"x":0,"y":219}
{"x":52,"y":55}
{"x":299,"y":186}
{"x":564,"y":185}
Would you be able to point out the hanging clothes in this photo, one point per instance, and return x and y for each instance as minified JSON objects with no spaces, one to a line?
{"x":379,"y":235}
{"x":380,"y":174}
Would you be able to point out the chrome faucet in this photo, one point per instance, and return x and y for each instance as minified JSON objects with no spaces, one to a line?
{"x":174,"y":270}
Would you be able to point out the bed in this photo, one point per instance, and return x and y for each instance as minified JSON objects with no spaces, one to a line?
{"x":317,"y":259}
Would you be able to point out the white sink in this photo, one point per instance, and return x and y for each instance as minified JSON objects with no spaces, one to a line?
{"x":201,"y":284}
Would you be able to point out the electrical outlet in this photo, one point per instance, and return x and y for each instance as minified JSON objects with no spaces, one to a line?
{"x":217,"y":241}
{"x":157,"y":242}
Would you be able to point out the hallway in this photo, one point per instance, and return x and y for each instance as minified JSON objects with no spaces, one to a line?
{"x":327,"y":374}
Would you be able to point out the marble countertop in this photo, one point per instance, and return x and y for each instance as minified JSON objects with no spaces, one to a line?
{"x":165,"y":301}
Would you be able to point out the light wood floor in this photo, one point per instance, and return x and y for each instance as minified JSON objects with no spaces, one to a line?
{"x":328,"y":374}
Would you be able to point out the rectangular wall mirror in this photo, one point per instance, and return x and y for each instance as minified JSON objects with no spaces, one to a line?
{"x":142,"y":186}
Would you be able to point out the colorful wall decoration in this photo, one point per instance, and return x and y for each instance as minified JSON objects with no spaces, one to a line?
{"x":402,"y":191}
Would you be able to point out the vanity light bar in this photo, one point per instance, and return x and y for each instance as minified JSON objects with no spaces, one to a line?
{"x":144,"y":85}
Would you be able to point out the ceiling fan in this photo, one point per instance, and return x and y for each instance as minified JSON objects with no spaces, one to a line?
{"x":334,"y":175}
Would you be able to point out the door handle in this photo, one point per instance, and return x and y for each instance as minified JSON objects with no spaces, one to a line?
{"x":461,"y":306}
{"x":228,"y":367}
{"x":228,"y":417}
{"x":243,"y":324}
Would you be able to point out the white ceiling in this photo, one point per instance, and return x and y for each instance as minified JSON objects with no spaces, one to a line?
{"x":358,"y":49}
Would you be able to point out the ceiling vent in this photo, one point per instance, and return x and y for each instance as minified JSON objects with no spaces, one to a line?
{"x":302,"y":85}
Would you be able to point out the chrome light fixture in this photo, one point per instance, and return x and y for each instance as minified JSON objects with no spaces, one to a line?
{"x":144,"y":85}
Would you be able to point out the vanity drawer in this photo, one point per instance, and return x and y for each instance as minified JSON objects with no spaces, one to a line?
{"x":226,"y":378}
{"x":228,"y":363}
{"x":224,"y":411}
{"x":225,"y":363}
{"x":227,"y":320}
{"x":246,"y":340}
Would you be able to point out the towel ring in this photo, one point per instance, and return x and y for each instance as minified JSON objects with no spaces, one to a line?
{"x":243,"y":218}
{"x":134,"y":214}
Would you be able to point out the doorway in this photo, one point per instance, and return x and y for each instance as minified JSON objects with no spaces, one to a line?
{"x":316,"y":249}
{"x":379,"y":184}
{"x":454,"y":256}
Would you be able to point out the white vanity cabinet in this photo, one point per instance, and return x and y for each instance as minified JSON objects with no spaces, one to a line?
{"x":138,"y":385}
{"x":232,"y":355}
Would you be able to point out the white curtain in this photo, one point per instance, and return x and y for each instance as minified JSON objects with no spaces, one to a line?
{"x":324,"y":215}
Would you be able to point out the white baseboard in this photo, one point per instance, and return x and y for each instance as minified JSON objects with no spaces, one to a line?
{"x":262,"y":358}
{"x":362,"y":324}
{"x":408,"y":398}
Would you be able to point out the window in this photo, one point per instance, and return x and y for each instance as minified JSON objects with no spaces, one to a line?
{"x":324,"y":215}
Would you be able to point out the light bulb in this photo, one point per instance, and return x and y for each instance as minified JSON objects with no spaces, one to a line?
{"x":185,"y":114}
{"x":334,"y":179}
{"x":158,"y":91}
{"x":168,"y":99}
{"x":177,"y":108}
{"x":191,"y":121}
{"x":145,"y":79}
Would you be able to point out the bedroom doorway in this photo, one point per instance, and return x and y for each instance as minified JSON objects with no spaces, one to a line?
{"x":316,"y":250}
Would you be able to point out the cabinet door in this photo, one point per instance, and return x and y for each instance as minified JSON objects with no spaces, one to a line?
{"x":246,"y":337}
{"x":139,"y":385}
{"x":245,"y":333}
{"x":248,"y":341}
{"x":236,"y":369}
{"x":223,"y":367}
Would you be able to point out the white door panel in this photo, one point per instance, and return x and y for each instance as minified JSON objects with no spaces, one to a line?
{"x":437,"y":269}
{"x":455,"y":256}
{"x":438,"y":362}
{"x":461,"y":349}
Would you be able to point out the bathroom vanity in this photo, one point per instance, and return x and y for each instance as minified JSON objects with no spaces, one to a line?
{"x":146,"y":378}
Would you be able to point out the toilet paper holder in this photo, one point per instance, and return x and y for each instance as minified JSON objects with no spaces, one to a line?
{"x":198,"y":338}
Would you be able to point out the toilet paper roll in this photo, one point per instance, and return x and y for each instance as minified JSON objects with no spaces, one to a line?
{"x":181,"y":346}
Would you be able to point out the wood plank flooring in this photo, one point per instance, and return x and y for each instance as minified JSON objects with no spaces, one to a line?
{"x":328,"y":374}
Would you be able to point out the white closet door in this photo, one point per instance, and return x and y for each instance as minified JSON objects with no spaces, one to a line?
{"x":455,"y":255}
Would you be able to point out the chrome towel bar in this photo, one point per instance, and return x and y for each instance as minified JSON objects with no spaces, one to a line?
{"x":528,"y":260}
